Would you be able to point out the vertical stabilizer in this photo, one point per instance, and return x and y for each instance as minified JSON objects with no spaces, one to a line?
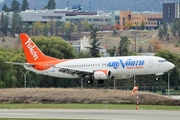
{"x":31,"y":51}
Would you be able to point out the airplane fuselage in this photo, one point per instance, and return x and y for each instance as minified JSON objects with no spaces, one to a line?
{"x":119,"y":66}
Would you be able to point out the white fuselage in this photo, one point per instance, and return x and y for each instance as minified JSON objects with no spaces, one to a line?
{"x":127,"y":65}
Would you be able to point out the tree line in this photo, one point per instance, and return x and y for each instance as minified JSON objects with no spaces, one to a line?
{"x":15,"y":6}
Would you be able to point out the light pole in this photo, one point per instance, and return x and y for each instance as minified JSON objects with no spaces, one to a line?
{"x":134,"y":80}
{"x":168,"y":82}
{"x":135,"y":42}
{"x":25,"y":78}
{"x":114,"y":83}
{"x":81,"y":83}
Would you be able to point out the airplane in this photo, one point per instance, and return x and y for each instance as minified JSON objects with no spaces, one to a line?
{"x":102,"y":68}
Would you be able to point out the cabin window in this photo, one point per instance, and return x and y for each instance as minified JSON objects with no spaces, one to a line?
{"x":162,"y":60}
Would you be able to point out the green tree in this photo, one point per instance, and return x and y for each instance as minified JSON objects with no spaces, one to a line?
{"x":15,"y":6}
{"x":128,"y":25}
{"x":55,"y":47}
{"x":160,"y":33}
{"x":2,"y":62}
{"x":123,"y":47}
{"x":175,"y":29}
{"x":5,"y":8}
{"x":57,"y":27}
{"x":4,"y":23}
{"x":37,"y":28}
{"x":163,"y":32}
{"x":6,"y":70}
{"x":46,"y":30}
{"x":142,"y":24}
{"x":52,"y":25}
{"x":140,"y":49}
{"x":16,"y":23}
{"x":19,"y":70}
{"x":95,"y":45}
{"x":165,"y":28}
{"x":69,"y":28}
{"x":51,"y":5}
{"x":114,"y":32}
{"x":85,"y":26}
{"x":25,"y":5}
{"x":174,"y":58}
{"x":26,"y":28}
{"x":170,"y":56}
{"x":112,"y":51}
{"x":83,"y":54}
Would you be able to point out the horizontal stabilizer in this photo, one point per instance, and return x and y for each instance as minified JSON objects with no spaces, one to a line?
{"x":25,"y":64}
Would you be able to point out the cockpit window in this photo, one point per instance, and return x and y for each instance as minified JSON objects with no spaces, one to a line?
{"x":162,"y":61}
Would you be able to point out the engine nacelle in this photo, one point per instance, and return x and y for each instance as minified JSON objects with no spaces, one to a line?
{"x":102,"y":74}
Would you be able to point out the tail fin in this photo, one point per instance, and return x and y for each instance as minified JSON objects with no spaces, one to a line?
{"x":31,"y":51}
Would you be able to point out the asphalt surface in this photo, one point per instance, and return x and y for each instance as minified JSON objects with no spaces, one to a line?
{"x":94,"y":114}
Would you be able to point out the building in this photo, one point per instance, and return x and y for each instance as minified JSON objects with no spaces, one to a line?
{"x":150,"y":19}
{"x":84,"y":43}
{"x":171,"y":12}
{"x":98,"y":19}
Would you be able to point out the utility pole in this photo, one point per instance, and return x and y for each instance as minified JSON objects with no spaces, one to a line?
{"x":81,"y":83}
{"x":114,"y":83}
{"x":135,"y":43}
{"x":135,"y":53}
{"x":134,"y":80}
{"x":25,"y":78}
{"x":168,"y":82}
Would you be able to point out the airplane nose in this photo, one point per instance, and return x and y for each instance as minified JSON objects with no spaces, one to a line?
{"x":172,"y":65}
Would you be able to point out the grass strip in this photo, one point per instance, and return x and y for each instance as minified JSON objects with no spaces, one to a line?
{"x":88,"y":106}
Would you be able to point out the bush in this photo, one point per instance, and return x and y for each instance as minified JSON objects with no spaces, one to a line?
{"x":176,"y":44}
{"x":3,"y":40}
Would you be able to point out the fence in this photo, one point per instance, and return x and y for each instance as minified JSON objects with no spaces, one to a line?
{"x":163,"y":90}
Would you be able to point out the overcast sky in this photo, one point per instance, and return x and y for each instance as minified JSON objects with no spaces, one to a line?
{"x":1,"y":1}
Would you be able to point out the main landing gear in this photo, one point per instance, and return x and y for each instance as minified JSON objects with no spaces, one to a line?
{"x":90,"y":81}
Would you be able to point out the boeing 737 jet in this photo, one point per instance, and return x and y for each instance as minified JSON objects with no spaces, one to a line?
{"x":92,"y":68}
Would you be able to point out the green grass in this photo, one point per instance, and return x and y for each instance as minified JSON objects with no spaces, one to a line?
{"x":88,"y":106}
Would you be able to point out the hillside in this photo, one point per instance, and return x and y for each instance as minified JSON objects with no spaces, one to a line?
{"x":139,"y":5}
{"x":143,"y":39}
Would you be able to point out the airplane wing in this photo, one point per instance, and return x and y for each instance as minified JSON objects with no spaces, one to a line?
{"x":73,"y":71}
{"x":25,"y":64}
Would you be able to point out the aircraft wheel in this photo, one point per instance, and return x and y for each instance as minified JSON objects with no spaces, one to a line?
{"x":90,"y":81}
{"x":100,"y":81}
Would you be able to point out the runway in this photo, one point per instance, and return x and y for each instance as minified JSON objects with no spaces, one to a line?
{"x":95,"y":114}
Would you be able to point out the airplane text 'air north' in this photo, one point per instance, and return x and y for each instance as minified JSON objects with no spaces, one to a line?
{"x":127,"y":63}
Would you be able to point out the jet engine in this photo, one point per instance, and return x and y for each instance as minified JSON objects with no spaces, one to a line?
{"x":102,"y":74}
